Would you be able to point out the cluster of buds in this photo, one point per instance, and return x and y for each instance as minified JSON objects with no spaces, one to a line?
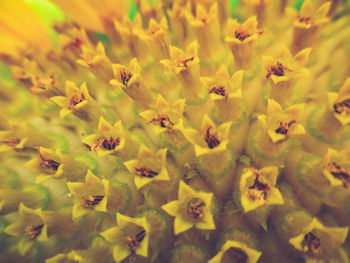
{"x":174,"y":131}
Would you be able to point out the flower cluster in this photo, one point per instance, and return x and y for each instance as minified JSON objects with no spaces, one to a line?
{"x":174,"y":131}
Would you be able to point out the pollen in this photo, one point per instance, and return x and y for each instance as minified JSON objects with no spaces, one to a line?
{"x":33,"y":231}
{"x":340,"y":173}
{"x":278,"y":70}
{"x":91,"y":201}
{"x":219,"y":90}
{"x":125,"y":76}
{"x":259,"y":190}
{"x":163,"y":121}
{"x":284,"y":127}
{"x":195,"y":208}
{"x":342,"y":107}
{"x":211,"y":139}
{"x":146,"y":172}
{"x":235,"y":255}
{"x":312,"y":242}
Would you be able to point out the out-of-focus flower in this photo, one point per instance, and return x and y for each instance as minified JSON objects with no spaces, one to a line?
{"x":339,"y":103}
{"x":241,"y":39}
{"x":307,"y":23}
{"x":191,"y":209}
{"x":336,"y":167}
{"x":129,"y":238}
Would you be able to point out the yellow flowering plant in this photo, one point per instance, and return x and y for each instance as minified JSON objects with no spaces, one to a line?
{"x":214,"y":130}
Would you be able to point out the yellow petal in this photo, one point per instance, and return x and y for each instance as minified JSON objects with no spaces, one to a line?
{"x":103,"y":126}
{"x":78,"y":211}
{"x":171,"y":207}
{"x":181,"y":225}
{"x":120,"y":253}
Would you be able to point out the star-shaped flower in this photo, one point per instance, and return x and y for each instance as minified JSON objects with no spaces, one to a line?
{"x":241,"y":39}
{"x":281,"y":124}
{"x":236,"y":252}
{"x":210,"y":138}
{"x":77,"y":101}
{"x":166,"y":115}
{"x":109,"y":140}
{"x":97,"y":62}
{"x":91,"y":195}
{"x":191,"y":209}
{"x":129,"y":79}
{"x":148,"y":167}
{"x":258,"y":188}
{"x":30,"y":227}
{"x":317,"y":240}
{"x":336,"y":167}
{"x":286,"y":68}
{"x":129,"y":238}
{"x":339,"y":103}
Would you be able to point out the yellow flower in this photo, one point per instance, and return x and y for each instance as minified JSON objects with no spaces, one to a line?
{"x":286,"y":68}
{"x":30,"y":227}
{"x":18,"y":137}
{"x":241,"y":39}
{"x":157,"y":38}
{"x":109,"y":140}
{"x":166,"y":116}
{"x":129,"y":80}
{"x":210,"y":138}
{"x":317,"y":240}
{"x":97,"y":61}
{"x":148,"y":167}
{"x":130,"y":32}
{"x":129,"y":238}
{"x":236,"y":251}
{"x":336,"y":167}
{"x":258,"y":188}
{"x":282,"y":124}
{"x":339,"y":103}
{"x":185,"y":65}
{"x":55,"y":164}
{"x":307,"y":23}
{"x":191,"y":209}
{"x":91,"y":195}
{"x":21,"y":29}
{"x":78,"y":102}
{"x":206,"y":28}
{"x":94,"y":15}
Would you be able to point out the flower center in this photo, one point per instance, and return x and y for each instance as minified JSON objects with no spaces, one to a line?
{"x":33,"y":231}
{"x":277,"y":70}
{"x":50,"y":164}
{"x":340,"y":173}
{"x":12,"y":143}
{"x":241,"y":35}
{"x":195,"y":208}
{"x":342,"y":107}
{"x":75,"y":100}
{"x":90,"y":201}
{"x":306,"y":20}
{"x":258,"y":190}
{"x":106,"y":144}
{"x":125,"y":76}
{"x":312,"y":242}
{"x":146,"y":172}
{"x":219,"y":90}
{"x":183,"y":62}
{"x":163,"y":121}
{"x":134,"y":241}
{"x":234,"y":255}
{"x":284,"y":127}
{"x":211,"y":139}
